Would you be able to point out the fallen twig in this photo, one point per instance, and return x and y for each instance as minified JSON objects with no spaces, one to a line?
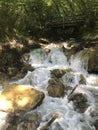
{"x":45,"y":127}
{"x":71,"y":93}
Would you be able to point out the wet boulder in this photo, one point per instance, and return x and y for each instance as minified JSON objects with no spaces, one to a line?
{"x":79,"y":97}
{"x":20,"y":98}
{"x":55,"y":88}
{"x":80,"y":101}
{"x":58,"y":73}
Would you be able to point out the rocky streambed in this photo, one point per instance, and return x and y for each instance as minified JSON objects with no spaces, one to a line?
{"x":56,"y":92}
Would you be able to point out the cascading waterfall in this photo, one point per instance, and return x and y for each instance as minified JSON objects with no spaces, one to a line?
{"x":44,"y":62}
{"x":77,"y":63}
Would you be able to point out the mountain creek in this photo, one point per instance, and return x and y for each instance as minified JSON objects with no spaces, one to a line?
{"x":53,"y":86}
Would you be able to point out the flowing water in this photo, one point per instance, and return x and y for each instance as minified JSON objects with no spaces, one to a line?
{"x":44,"y":61}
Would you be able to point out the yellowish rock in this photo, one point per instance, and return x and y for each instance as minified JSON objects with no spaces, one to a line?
{"x":20,"y":98}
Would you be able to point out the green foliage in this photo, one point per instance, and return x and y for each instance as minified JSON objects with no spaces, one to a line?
{"x":30,"y":17}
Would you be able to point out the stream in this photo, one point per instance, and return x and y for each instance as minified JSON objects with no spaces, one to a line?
{"x":44,"y":61}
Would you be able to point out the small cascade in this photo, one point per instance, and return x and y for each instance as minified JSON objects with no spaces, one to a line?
{"x":78,"y":63}
{"x":73,"y":73}
{"x":41,"y":58}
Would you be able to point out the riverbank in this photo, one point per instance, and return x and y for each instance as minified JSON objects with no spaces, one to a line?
{"x":13,"y":58}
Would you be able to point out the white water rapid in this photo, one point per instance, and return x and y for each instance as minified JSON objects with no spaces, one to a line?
{"x":44,"y":61}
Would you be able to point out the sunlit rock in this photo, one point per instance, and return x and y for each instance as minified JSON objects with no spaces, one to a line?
{"x":20,"y":98}
{"x":55,"y":88}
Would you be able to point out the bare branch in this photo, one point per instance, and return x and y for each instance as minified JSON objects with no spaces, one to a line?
{"x":71,"y":93}
{"x":45,"y":127}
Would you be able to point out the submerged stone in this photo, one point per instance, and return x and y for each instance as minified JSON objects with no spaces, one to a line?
{"x":56,"y":88}
{"x":20,"y":98}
